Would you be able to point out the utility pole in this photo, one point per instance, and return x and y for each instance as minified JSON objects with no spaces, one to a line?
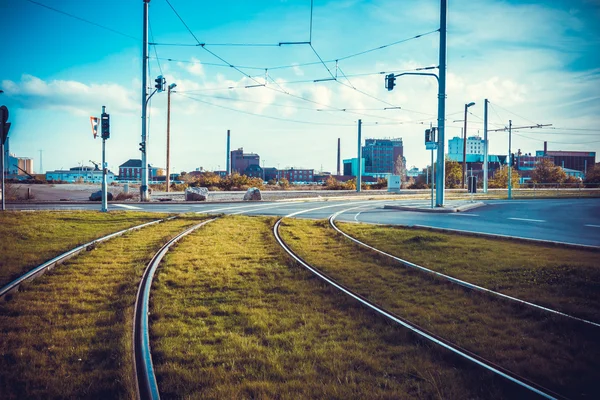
{"x":441,"y":168}
{"x":4,"y":128}
{"x":485,"y":146}
{"x":144,"y":195}
{"x":464,"y":164}
{"x":168,"y":179}
{"x":508,"y":161}
{"x":41,"y":165}
{"x":359,"y":163}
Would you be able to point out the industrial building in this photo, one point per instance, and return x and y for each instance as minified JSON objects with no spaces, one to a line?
{"x":240,"y":161}
{"x":81,"y":174}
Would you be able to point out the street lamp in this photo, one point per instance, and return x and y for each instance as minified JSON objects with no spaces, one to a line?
{"x":171,"y":86}
{"x":464,"y":174}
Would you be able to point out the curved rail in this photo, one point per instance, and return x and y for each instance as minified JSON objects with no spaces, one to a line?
{"x":147,"y":387}
{"x":146,"y":380}
{"x":451,"y":279}
{"x":48,"y":265}
{"x":488,"y":365}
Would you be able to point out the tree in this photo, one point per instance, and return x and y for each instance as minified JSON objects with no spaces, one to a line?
{"x":453,"y":174}
{"x":500,"y":178}
{"x":400,"y":169}
{"x":592,"y":178}
{"x":546,"y":172}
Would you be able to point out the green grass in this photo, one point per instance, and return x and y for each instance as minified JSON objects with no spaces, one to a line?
{"x":232,"y":318}
{"x":68,"y":333}
{"x":549,"y":350}
{"x":31,"y":238}
{"x":564,"y":279}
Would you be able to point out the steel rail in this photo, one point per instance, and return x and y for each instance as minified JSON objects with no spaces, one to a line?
{"x":147,"y":387}
{"x":466,"y":354}
{"x":449,"y":278}
{"x":48,"y":265}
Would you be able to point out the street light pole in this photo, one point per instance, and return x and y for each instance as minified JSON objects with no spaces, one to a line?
{"x":359,"y":163}
{"x":464,"y":166}
{"x":508,"y":161}
{"x":171,"y":86}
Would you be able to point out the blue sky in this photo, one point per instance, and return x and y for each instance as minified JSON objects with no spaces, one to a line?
{"x":537,"y":62}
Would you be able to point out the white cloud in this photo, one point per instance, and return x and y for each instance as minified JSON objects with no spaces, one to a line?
{"x":72,"y":96}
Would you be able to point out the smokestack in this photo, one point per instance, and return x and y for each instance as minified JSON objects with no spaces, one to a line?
{"x":338,"y":158}
{"x":545,"y":148}
{"x":228,"y":165}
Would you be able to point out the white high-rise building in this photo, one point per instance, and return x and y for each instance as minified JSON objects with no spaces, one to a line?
{"x":475,"y":145}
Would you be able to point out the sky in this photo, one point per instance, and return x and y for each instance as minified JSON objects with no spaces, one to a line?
{"x":536,"y":62}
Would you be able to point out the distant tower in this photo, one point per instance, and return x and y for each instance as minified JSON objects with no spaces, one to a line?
{"x":41,"y":165}
{"x":338,"y":158}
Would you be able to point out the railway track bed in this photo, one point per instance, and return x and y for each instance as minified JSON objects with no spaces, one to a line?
{"x":231,"y":315}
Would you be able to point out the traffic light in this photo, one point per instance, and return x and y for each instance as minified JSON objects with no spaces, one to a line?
{"x":143,"y":147}
{"x":4,"y":126}
{"x":390,"y":82}
{"x":428,"y":136}
{"x":105,"y":126}
{"x":160,"y":83}
{"x":512,"y":159}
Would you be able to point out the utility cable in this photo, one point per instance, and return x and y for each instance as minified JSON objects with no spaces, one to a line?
{"x":155,"y":51}
{"x":265,"y":116}
{"x":83,"y":20}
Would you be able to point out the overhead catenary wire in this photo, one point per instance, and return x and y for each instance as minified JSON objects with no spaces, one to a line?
{"x":265,"y":116}
{"x":84,"y":20}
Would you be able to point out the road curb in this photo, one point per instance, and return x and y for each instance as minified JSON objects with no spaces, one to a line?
{"x":439,"y":210}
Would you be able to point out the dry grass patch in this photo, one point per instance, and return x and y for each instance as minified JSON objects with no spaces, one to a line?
{"x":68,"y":334}
{"x":564,"y":279}
{"x":31,"y":238}
{"x":230,"y":319}
{"x":555,"y":352}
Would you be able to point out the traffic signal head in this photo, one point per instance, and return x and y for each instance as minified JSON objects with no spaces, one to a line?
{"x":160,"y":83}
{"x":427,"y":135}
{"x":390,"y":82}
{"x":105,"y":126}
{"x":143,"y":147}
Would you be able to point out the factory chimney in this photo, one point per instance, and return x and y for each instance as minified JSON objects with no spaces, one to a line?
{"x":338,"y":158}
{"x":228,"y":165}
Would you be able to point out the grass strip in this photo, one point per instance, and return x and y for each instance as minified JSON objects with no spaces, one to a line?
{"x":68,"y":334}
{"x":31,"y":238}
{"x":567,"y":280}
{"x":231,"y":320}
{"x":555,"y":352}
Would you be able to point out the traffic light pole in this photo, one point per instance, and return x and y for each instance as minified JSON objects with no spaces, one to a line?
{"x":440,"y":176}
{"x":485,"y":146}
{"x":104,"y":183}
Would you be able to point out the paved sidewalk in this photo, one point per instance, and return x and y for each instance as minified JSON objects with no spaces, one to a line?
{"x":451,"y":206}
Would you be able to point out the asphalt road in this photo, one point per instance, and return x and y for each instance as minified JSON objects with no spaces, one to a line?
{"x":574,"y":221}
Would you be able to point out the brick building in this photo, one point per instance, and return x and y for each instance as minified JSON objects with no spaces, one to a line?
{"x":240,"y":161}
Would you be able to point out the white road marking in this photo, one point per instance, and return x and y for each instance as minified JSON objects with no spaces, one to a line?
{"x":127,"y":206}
{"x":527,"y":219}
{"x":356,"y":216}
{"x":593,"y":226}
{"x":464,"y":215}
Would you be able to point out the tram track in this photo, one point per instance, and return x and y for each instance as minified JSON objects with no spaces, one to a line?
{"x":465,"y":284}
{"x":41,"y":269}
{"x":459,"y":351}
